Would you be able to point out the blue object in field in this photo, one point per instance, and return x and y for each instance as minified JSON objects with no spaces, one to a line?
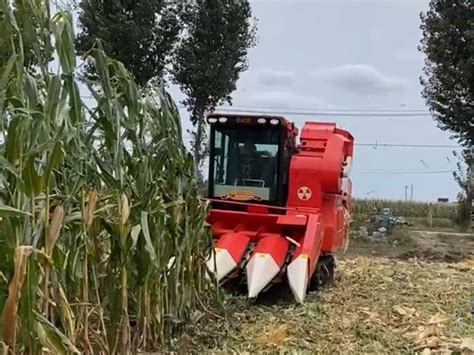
{"x":385,"y":220}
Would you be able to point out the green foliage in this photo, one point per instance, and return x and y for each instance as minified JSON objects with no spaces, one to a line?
{"x":462,"y":176}
{"x":211,"y":57}
{"x":448,"y":37}
{"x":102,"y":234}
{"x":138,"y":33}
{"x":463,"y":217}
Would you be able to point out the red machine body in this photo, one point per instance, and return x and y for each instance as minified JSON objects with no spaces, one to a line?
{"x":292,"y":240}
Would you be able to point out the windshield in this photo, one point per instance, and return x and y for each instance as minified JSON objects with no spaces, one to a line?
{"x":245,"y":162}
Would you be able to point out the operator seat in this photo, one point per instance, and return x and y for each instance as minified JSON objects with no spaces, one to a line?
{"x":249,"y":161}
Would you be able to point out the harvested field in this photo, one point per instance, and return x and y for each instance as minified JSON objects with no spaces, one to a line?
{"x":423,"y":245}
{"x":376,"y":305}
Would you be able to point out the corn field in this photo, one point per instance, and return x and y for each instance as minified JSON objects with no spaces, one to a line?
{"x":405,"y":208}
{"x":102,"y":234}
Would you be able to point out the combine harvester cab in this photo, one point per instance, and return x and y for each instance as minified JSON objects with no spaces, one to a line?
{"x":279,"y":211}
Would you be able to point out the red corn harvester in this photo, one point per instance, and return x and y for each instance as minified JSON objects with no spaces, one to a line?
{"x":279,"y":210}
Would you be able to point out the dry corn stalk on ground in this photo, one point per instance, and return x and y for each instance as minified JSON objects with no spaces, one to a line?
{"x":376,"y":305}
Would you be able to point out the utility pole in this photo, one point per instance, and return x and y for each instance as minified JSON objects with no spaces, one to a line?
{"x":406,"y":192}
{"x":411,"y":193}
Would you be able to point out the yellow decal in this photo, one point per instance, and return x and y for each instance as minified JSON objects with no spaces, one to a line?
{"x":304,"y":256}
{"x":261,"y":255}
{"x":241,"y":196}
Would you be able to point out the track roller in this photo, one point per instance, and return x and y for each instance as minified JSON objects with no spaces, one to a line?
{"x":324,"y":273}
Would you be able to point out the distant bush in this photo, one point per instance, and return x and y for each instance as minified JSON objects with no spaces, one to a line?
{"x":435,"y":222}
{"x":463,"y":212}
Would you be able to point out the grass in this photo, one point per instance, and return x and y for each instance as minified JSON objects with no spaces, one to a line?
{"x":437,"y":223}
{"x":401,"y":238}
{"x":102,"y":234}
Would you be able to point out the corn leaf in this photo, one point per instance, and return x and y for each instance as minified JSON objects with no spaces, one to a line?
{"x":52,"y":338}
{"x":7,"y":211}
{"x":3,"y":348}
{"x":10,"y":310}
{"x":146,"y":234}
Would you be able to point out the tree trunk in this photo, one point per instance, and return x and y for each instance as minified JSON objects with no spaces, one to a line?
{"x":198,"y":146}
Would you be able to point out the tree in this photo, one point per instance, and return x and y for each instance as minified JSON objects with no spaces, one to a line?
{"x":210,"y":58}
{"x":139,"y":33}
{"x":448,"y":43}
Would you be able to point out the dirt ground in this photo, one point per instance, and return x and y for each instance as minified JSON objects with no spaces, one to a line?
{"x":444,"y":246}
{"x":409,"y":294}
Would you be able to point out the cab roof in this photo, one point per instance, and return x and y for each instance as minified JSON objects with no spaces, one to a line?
{"x":283,"y":120}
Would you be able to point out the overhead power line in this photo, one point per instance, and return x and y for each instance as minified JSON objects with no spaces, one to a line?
{"x":311,"y":111}
{"x":402,"y":145}
{"x":391,"y":173}
{"x":323,"y":113}
{"x":268,"y":110}
{"x":279,"y":108}
{"x":390,"y":145}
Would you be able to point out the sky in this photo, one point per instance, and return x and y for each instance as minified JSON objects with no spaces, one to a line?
{"x":351,"y":55}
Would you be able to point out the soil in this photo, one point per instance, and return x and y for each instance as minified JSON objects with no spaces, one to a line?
{"x":445,"y":246}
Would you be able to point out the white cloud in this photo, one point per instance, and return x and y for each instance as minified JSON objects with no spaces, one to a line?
{"x":285,"y":99}
{"x":361,"y":78}
{"x":275,"y":78}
